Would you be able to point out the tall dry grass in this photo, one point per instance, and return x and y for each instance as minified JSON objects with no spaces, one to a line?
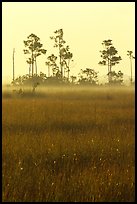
{"x":69,"y":145}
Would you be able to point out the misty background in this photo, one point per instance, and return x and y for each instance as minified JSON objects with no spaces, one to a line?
{"x":85,"y":26}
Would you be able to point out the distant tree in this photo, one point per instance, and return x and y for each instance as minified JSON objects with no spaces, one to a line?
{"x":18,"y":81}
{"x":35,"y":86}
{"x":109,"y":55}
{"x":73,"y":79}
{"x":34,"y":49}
{"x":64,"y":55}
{"x":131,"y":57}
{"x":88,"y":76}
{"x":59,"y":42}
{"x":13,"y":65}
{"x":51,"y":63}
{"x":58,"y":74}
{"x":116,"y":78}
{"x":43,"y":76}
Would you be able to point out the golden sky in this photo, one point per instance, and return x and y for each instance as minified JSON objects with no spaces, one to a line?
{"x":85,"y":26}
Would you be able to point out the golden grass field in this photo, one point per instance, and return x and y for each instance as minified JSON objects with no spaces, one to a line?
{"x":69,"y":145}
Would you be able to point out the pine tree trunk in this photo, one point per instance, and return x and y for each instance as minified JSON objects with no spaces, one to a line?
{"x":131,"y":69}
{"x":110,"y":79}
{"x":29,"y":69}
{"x":13,"y":64}
{"x":61,"y":70}
{"x":36,"y":66}
{"x":108,"y":71}
{"x":48,"y":71}
{"x":32,"y":65}
{"x":68,"y":68}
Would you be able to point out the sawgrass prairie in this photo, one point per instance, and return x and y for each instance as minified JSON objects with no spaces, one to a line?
{"x":69,"y":144}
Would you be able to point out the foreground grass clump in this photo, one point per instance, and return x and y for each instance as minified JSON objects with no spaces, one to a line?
{"x":69,"y":145}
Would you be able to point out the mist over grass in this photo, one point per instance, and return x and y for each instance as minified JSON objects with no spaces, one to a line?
{"x":68,"y":144}
{"x":12,"y":91}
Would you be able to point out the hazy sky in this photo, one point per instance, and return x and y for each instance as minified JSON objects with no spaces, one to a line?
{"x":85,"y":26}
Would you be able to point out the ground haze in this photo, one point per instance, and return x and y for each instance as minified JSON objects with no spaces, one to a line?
{"x":68,"y":144}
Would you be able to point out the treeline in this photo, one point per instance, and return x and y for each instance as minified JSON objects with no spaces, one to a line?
{"x":59,"y":67}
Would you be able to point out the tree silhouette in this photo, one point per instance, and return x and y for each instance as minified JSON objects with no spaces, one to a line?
{"x":13,"y":65}
{"x":34,"y":49}
{"x":131,"y":57}
{"x":43,"y":76}
{"x":51,"y":63}
{"x":73,"y":79}
{"x":59,"y":42}
{"x":88,"y":76}
{"x":116,"y":78}
{"x":64,"y":55}
{"x":109,"y":55}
